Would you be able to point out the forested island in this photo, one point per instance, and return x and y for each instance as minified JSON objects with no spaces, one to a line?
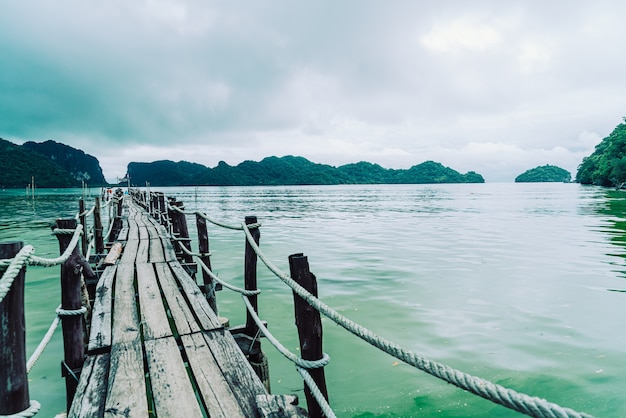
{"x":49,"y":163}
{"x":291,"y":170}
{"x":544,"y":174}
{"x":606,"y":166}
{"x":53,"y":164}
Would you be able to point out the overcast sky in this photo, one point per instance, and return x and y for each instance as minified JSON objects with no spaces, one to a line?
{"x":496,"y":87}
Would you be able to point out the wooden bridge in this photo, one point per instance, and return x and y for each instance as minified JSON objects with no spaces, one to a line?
{"x":155,"y":344}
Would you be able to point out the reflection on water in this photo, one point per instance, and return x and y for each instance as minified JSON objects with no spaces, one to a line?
{"x":505,"y":281}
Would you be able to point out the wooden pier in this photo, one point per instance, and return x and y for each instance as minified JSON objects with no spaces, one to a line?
{"x":156,"y":348}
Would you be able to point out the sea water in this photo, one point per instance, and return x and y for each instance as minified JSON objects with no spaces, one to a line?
{"x":520,"y":284}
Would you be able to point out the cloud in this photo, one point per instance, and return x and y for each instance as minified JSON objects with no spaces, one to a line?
{"x":394,"y":84}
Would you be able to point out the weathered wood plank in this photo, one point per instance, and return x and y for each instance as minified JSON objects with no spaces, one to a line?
{"x":215,"y":390}
{"x":244,"y":383}
{"x":126,"y":322}
{"x":100,"y":335}
{"x":183,"y":318}
{"x":113,"y":255}
{"x":143,"y":231}
{"x":168,"y":249}
{"x":172,"y":390}
{"x":207,"y":318}
{"x":130,"y":251}
{"x":157,"y":255}
{"x":126,"y":394}
{"x":280,"y":406}
{"x":153,"y":232}
{"x":142,"y":251}
{"x":153,"y":316}
{"x":90,"y":393}
{"x":133,"y":229}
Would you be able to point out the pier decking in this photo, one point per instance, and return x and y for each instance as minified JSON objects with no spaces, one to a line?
{"x":155,"y":347}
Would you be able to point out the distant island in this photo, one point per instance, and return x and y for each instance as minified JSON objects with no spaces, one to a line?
{"x":606,"y":166}
{"x":49,"y":163}
{"x":544,"y":174}
{"x":290,"y":170}
{"x":53,"y":164}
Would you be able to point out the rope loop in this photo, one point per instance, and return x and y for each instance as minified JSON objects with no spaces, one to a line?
{"x":29,"y":412}
{"x":70,"y":312}
{"x":13,"y":269}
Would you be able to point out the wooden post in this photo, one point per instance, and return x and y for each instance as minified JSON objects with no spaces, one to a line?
{"x":97,"y":226}
{"x":83,"y":222}
{"x":250,"y":264}
{"x":309,"y":326}
{"x":183,"y":232}
{"x":162,"y":208}
{"x":203,"y":247}
{"x":119,"y":206}
{"x":73,"y":326}
{"x":13,"y":378}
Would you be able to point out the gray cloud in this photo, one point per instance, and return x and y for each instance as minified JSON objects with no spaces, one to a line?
{"x":495,"y":87}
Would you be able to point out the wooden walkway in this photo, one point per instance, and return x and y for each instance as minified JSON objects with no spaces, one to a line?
{"x":156,"y":348}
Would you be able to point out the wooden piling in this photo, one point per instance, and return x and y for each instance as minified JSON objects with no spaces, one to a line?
{"x":309,"y":325}
{"x":14,"y":395}
{"x":183,"y":232}
{"x":73,"y":326}
{"x":250,"y":276}
{"x":97,"y":226}
{"x":83,"y":221}
{"x":203,"y":248}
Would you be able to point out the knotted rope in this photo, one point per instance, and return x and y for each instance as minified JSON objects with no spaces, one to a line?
{"x":532,"y":406}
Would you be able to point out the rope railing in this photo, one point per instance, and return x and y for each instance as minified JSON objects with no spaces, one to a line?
{"x":532,"y":406}
{"x":10,"y":269}
{"x":520,"y":402}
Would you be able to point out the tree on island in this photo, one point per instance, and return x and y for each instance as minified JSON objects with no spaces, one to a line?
{"x":546,"y":173}
{"x":606,"y":166}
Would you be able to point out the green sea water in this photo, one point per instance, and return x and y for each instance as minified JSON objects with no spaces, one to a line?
{"x":521,"y":284}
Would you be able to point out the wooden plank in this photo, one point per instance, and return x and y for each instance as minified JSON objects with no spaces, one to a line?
{"x":156,"y":255}
{"x":143,"y":231}
{"x":244,"y":383}
{"x":90,"y":394}
{"x":100,"y":335}
{"x":153,"y":232}
{"x":284,"y":406}
{"x":171,"y":388}
{"x":168,"y":249}
{"x":113,"y":255}
{"x":207,"y":318}
{"x":214,"y":389}
{"x":126,"y":394}
{"x":123,"y":234}
{"x":126,"y":322}
{"x":133,"y":229}
{"x":183,"y":318}
{"x":142,"y":251}
{"x":130,"y":251}
{"x":153,"y":316}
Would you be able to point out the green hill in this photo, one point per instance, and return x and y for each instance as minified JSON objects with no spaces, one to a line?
{"x":606,"y":166}
{"x":545,"y":173}
{"x":19,"y":165}
{"x":291,"y":170}
{"x":50,"y":163}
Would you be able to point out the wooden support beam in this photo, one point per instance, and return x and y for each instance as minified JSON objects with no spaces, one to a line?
{"x":13,"y":378}
{"x":309,"y":325}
